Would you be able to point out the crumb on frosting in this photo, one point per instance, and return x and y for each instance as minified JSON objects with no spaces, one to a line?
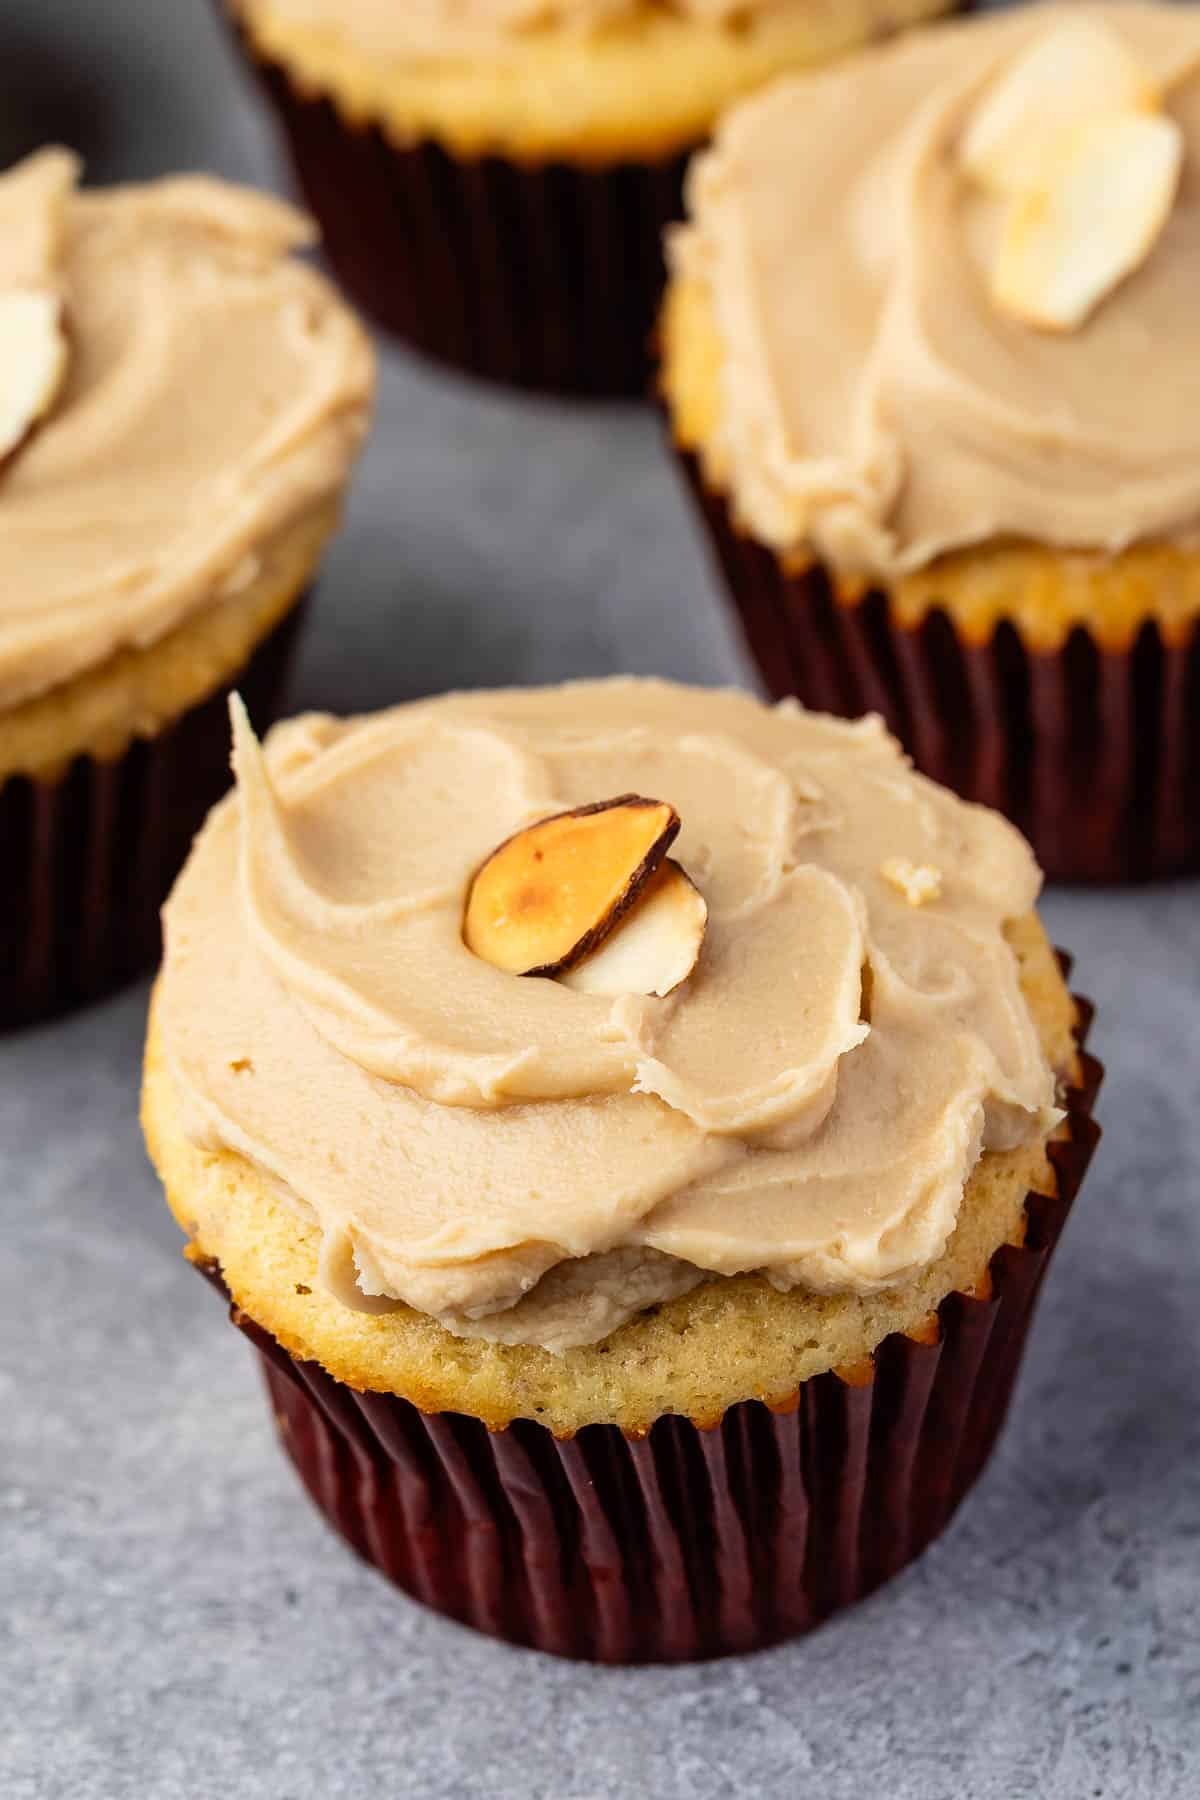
{"x":918,"y":882}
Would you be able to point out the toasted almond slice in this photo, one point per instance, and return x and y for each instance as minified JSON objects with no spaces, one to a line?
{"x":1078,"y":73}
{"x":553,"y":892}
{"x":1096,"y":219}
{"x":33,"y":362}
{"x":654,"y":947}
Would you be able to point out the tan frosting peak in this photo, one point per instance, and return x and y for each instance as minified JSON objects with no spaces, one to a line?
{"x":876,"y":405}
{"x":34,"y":205}
{"x":460,"y":1132}
{"x":469,"y":27}
{"x":217,"y":389}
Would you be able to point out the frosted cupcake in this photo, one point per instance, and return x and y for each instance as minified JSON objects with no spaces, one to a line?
{"x":180,"y":404}
{"x":632,"y":1122}
{"x":492,"y":176}
{"x":942,"y":415}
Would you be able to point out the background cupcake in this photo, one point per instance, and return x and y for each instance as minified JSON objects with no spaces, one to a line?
{"x":941,"y":411}
{"x":180,"y":404}
{"x":492,"y":178}
{"x":709,"y":1333}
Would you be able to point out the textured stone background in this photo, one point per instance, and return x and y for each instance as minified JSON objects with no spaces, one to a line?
{"x":175,"y":1621}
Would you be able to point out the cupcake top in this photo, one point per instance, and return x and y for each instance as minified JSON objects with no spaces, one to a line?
{"x":470,"y":27}
{"x":953,"y":286}
{"x":747,"y":1006}
{"x":175,"y":389}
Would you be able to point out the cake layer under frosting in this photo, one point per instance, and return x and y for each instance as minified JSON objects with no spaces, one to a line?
{"x":876,"y":406}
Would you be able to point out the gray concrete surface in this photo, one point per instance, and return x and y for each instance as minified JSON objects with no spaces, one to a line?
{"x":175,"y":1621}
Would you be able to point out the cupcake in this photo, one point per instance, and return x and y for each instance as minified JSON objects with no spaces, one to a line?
{"x":939,"y":411}
{"x":180,"y":403}
{"x":492,"y":176}
{"x":632,"y":1123}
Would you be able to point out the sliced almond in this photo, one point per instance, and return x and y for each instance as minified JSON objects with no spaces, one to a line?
{"x":1103,"y":202}
{"x":1077,"y":74}
{"x":553,"y":892}
{"x":33,"y":362}
{"x":654,"y":947}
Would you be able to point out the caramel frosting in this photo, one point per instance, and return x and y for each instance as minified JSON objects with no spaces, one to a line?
{"x":437,"y":28}
{"x":877,"y":406}
{"x":217,"y":390}
{"x":534,"y":1163}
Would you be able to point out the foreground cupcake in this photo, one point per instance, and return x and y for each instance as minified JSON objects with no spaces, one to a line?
{"x":180,"y":404}
{"x":492,"y":176}
{"x":638,"y":1198}
{"x":943,"y":415}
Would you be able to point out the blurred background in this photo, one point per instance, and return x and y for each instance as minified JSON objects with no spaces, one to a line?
{"x":177,"y":1623}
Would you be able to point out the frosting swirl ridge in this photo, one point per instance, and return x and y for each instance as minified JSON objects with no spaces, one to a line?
{"x":217,"y":389}
{"x":915,"y":416}
{"x":527,"y":1161}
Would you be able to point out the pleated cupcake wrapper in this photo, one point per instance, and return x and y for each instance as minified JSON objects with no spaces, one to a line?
{"x":543,"y":276}
{"x":88,"y":859}
{"x":1093,"y":753}
{"x":691,"y":1541}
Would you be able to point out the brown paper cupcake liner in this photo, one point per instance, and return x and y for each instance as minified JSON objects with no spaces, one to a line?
{"x":1093,"y":753}
{"x":88,"y":859}
{"x":692,"y":1541}
{"x":544,"y":276}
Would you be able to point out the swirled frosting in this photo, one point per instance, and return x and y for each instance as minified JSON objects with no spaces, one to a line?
{"x":529,"y":1162}
{"x":217,"y":389}
{"x":876,"y":407}
{"x":488,"y":27}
